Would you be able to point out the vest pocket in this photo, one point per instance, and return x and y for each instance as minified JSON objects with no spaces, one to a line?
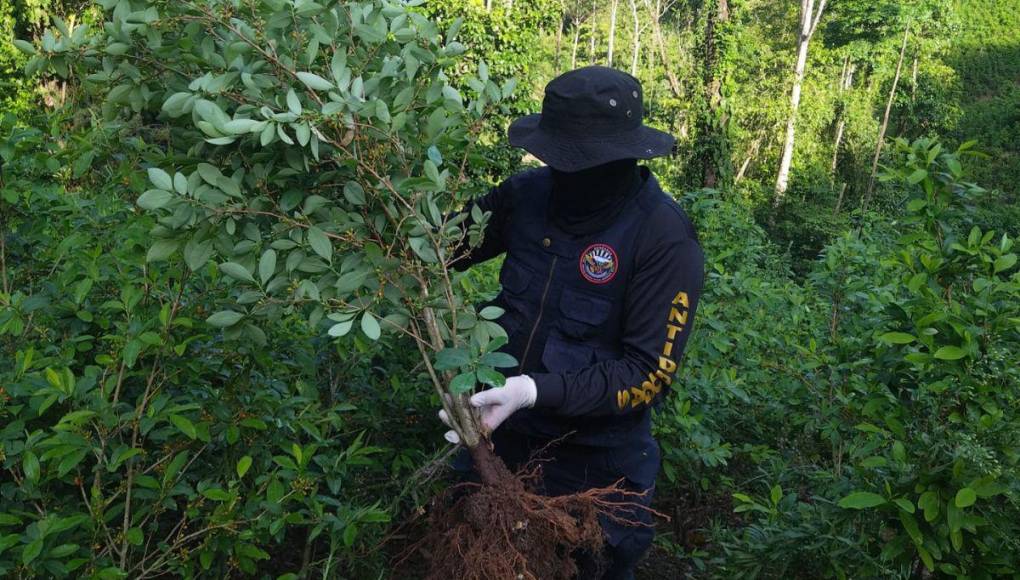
{"x":515,"y":280}
{"x":513,"y":277}
{"x":582,"y":314}
{"x":561,"y":355}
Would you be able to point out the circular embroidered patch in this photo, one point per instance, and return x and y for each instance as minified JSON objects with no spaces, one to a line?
{"x":598,"y":263}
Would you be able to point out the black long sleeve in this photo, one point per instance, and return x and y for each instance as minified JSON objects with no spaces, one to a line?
{"x":500,"y":202}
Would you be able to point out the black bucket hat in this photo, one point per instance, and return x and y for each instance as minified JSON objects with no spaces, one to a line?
{"x":590,"y":116}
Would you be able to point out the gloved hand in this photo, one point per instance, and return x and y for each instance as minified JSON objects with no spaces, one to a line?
{"x":496,"y":405}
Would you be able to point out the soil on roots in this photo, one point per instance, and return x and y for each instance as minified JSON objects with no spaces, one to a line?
{"x":501,"y":528}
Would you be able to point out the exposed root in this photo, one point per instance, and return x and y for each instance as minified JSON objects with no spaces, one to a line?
{"x":502,"y":529}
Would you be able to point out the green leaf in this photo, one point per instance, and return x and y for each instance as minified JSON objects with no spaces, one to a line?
{"x":154,"y":199}
{"x":953,"y":164}
{"x":861,"y":500}
{"x":905,"y":504}
{"x":354,"y":193}
{"x":30,"y":465}
{"x":274,"y":492}
{"x":216,"y":494}
{"x":1003,"y":263}
{"x":236,"y":271}
{"x":320,"y":243}
{"x":491,"y":312}
{"x":370,"y":326}
{"x":950,"y":353}
{"x":180,"y":183}
{"x":341,"y":328}
{"x":314,"y":81}
{"x":463,"y":383}
{"x":161,"y":250}
{"x":293,"y":102}
{"x":185,"y":425}
{"x":31,"y":551}
{"x":910,"y":525}
{"x":432,"y":172}
{"x":500,"y":360}
{"x":874,"y":461}
{"x":452,"y":358}
{"x":161,"y":179}
{"x":916,"y":205}
{"x":965,"y":497}
{"x":897,"y":338}
{"x":929,"y":502}
{"x":176,"y":104}
{"x":243,"y":465}
{"x":382,"y":111}
{"x":24,"y":46}
{"x":267,"y":265}
{"x":917,"y":176}
{"x":224,"y":318}
{"x":134,"y":536}
{"x":491,"y":377}
{"x":954,"y":516}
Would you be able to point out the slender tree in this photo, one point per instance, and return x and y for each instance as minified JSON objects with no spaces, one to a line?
{"x":577,"y":39}
{"x":612,"y":31}
{"x":885,"y":118}
{"x":810,"y":15}
{"x":713,"y":150}
{"x":656,"y":12}
{"x":559,"y":42}
{"x":637,"y":38}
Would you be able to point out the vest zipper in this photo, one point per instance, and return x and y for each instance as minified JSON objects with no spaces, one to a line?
{"x":538,"y":319}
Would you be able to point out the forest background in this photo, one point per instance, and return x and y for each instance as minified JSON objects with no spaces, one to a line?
{"x":848,"y":405}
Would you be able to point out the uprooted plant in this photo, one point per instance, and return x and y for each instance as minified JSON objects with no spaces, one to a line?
{"x":318,"y":153}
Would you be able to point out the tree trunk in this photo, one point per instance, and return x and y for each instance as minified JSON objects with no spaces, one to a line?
{"x":612,"y":31}
{"x":660,"y":43}
{"x":577,"y":38}
{"x":913,"y":80}
{"x":885,"y":119}
{"x":637,"y":39}
{"x":592,"y":57}
{"x":839,"y":200}
{"x":845,"y":80}
{"x":559,"y":44}
{"x":747,"y":160}
{"x":808,"y":24}
{"x":713,"y":132}
{"x":489,"y":468}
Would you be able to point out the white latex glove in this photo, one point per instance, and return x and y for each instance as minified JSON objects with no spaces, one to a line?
{"x":496,"y":405}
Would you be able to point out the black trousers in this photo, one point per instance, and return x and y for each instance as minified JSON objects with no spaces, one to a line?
{"x":568,"y":469}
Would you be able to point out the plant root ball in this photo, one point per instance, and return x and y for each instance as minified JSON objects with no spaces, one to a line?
{"x":502,"y":530}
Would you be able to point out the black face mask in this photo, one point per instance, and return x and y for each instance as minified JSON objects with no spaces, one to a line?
{"x":587,"y":201}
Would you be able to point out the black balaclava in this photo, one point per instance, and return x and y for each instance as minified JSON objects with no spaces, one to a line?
{"x":587,"y":201}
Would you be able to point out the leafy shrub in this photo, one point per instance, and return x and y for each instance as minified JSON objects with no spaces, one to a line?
{"x":863,"y":417}
{"x":144,"y":380}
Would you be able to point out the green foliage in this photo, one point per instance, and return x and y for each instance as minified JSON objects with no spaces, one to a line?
{"x":190,"y":372}
{"x":136,"y":441}
{"x":881,"y":392}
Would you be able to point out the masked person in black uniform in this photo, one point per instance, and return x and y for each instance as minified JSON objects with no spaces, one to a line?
{"x":600,"y":284}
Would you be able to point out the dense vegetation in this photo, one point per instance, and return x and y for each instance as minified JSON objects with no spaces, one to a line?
{"x":205,"y":362}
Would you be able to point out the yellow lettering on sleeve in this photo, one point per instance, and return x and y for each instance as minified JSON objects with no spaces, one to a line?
{"x":681,"y":298}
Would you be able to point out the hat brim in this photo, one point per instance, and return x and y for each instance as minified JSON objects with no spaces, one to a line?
{"x":574,"y":154}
